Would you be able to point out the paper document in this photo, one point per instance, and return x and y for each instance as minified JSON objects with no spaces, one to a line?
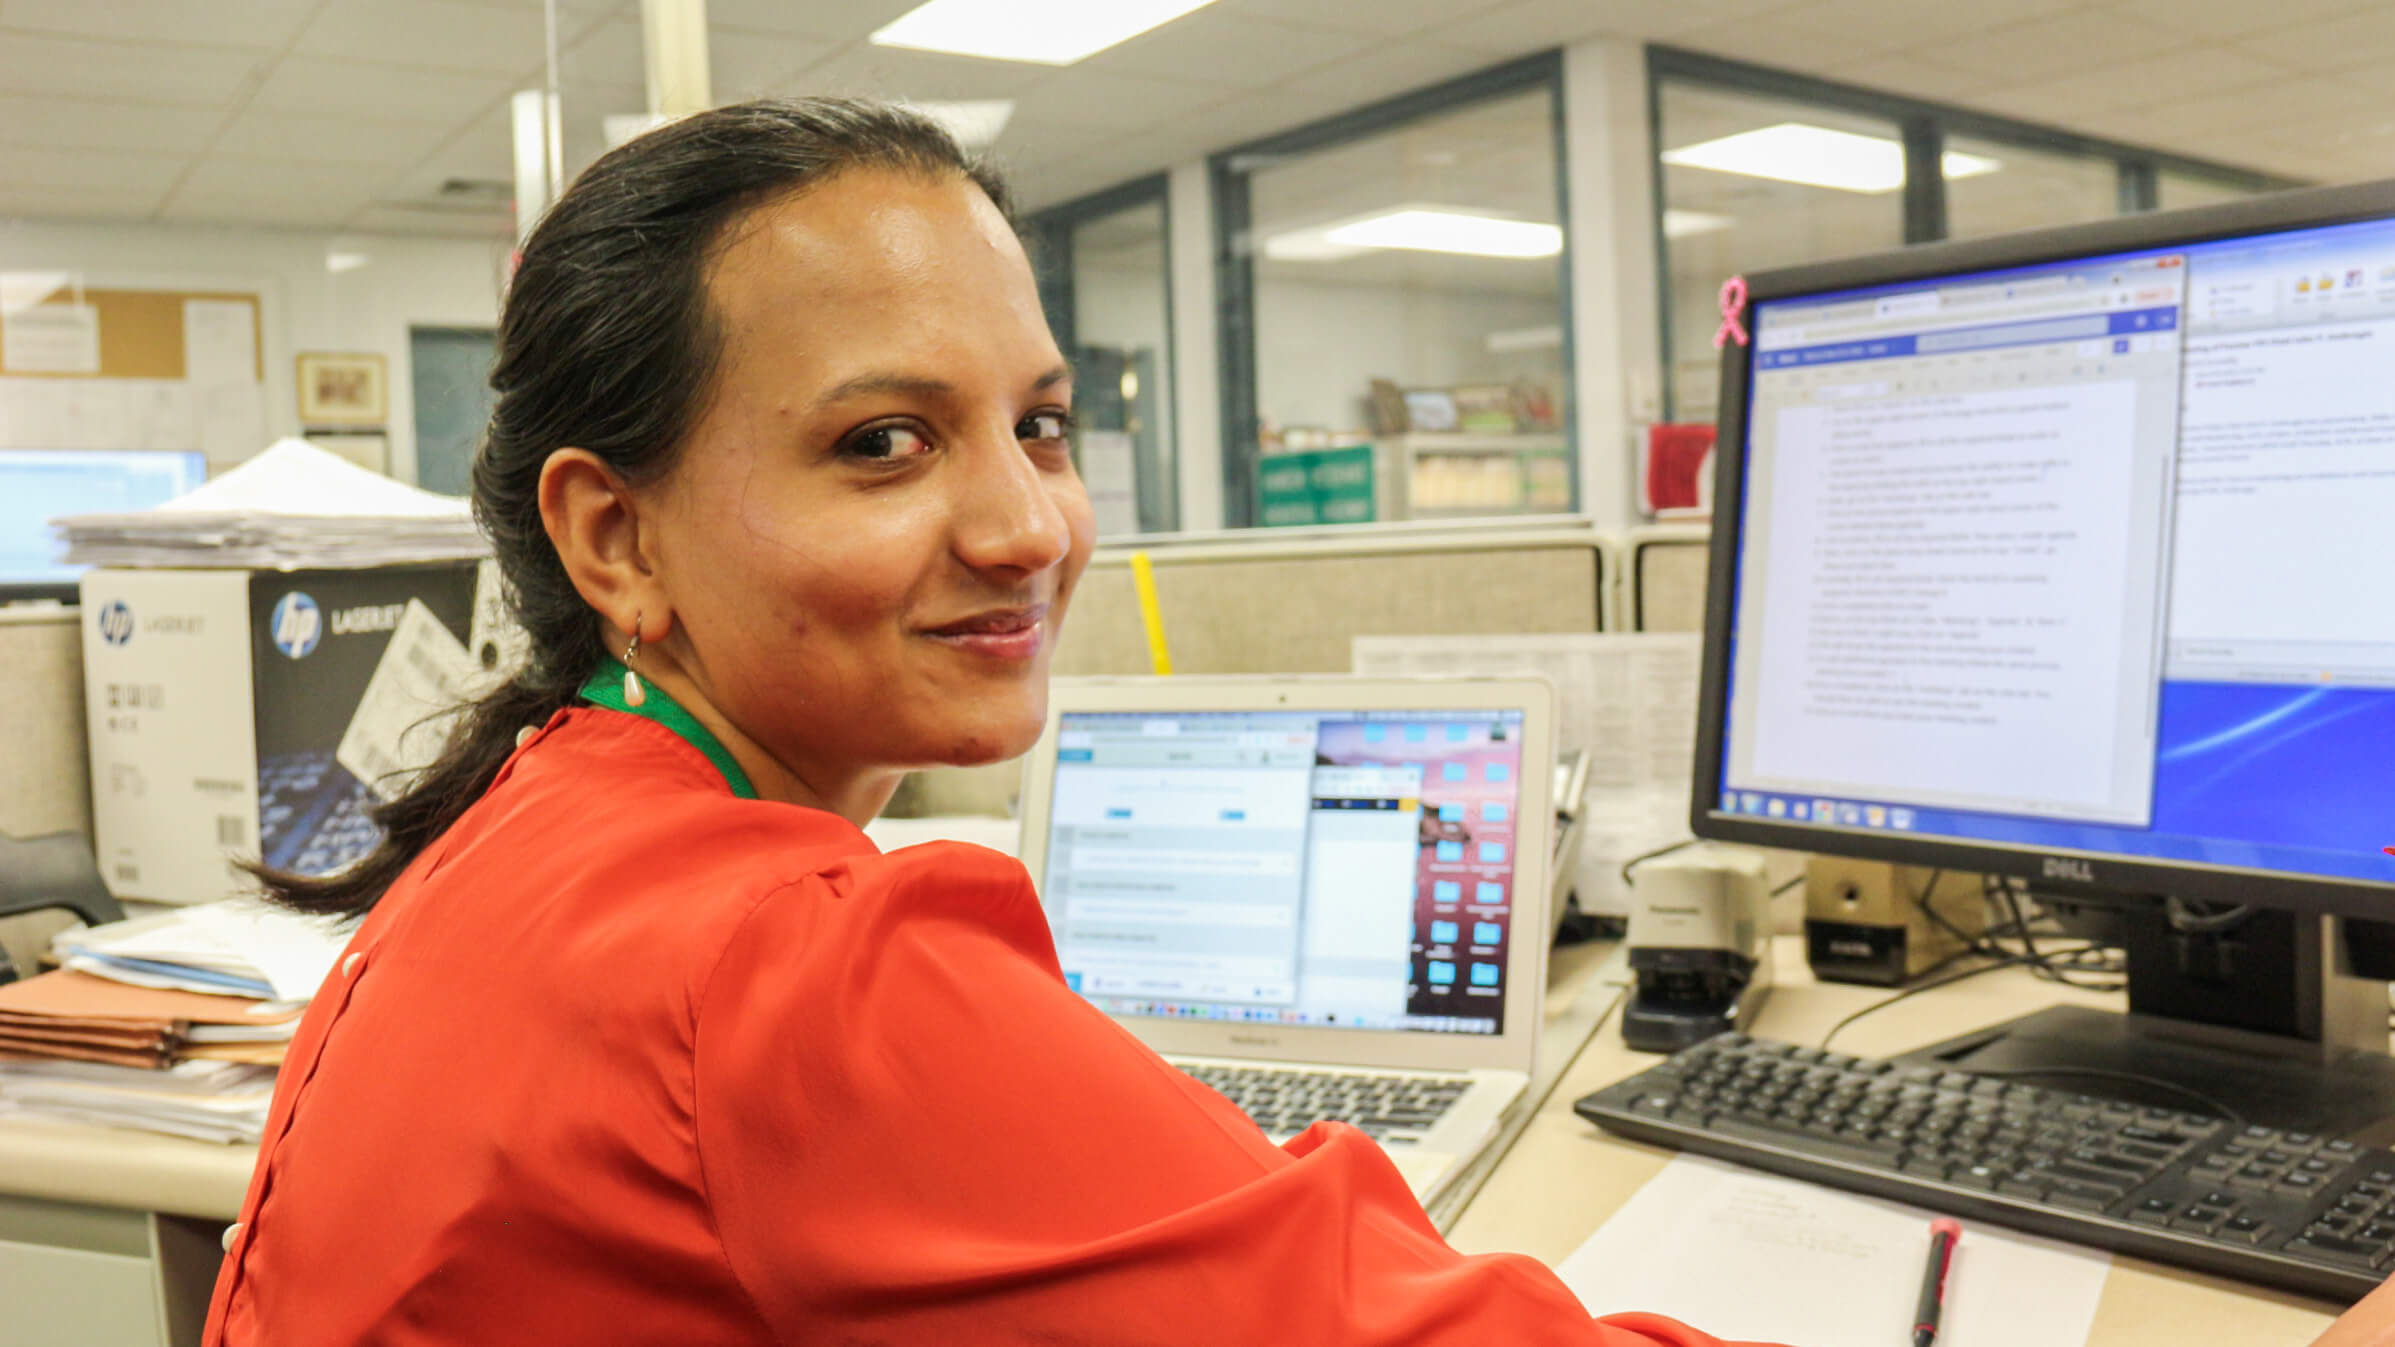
{"x":1755,"y":1257}
{"x":423,"y":679}
{"x":1629,"y":700}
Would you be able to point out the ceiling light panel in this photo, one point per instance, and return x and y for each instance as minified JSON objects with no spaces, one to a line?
{"x":1443,"y":231}
{"x":1041,"y":32}
{"x":1817,"y":156}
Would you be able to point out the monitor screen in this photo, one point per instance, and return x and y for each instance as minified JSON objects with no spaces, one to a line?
{"x":2087,"y":556}
{"x":39,"y":485}
{"x":1344,"y":870}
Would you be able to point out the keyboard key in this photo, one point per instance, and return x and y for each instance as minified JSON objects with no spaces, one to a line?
{"x":2331,"y":1249}
{"x":2244,"y":1229}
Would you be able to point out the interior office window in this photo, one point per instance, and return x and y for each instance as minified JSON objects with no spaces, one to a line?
{"x":1409,"y":319}
{"x":1752,"y":182}
{"x":1122,"y":360}
{"x":2175,"y":189}
{"x":1995,"y":187}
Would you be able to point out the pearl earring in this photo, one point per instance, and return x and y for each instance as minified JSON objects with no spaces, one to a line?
{"x":634,"y":693}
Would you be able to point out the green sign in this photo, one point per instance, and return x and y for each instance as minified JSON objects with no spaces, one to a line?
{"x":1316,"y":486}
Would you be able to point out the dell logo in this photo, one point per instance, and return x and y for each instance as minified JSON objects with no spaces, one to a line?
{"x":2057,"y":867}
{"x":116,"y":623}
{"x":297,"y":624}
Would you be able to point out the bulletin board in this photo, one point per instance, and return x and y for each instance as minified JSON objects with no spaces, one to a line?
{"x":135,"y":369}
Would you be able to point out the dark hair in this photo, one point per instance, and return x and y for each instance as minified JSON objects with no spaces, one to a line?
{"x":607,"y":344}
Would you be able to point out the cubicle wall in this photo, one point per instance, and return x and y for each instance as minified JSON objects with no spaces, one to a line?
{"x":1292,"y":601}
{"x":1664,"y":567}
{"x":41,"y":722}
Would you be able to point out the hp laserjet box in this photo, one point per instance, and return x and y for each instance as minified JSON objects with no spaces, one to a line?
{"x":243,"y":715}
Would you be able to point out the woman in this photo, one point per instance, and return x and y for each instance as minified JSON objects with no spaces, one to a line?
{"x":640,"y":1040}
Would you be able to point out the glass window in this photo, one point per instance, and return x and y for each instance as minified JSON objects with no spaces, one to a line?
{"x":1122,"y":359}
{"x":2176,"y":189}
{"x":1409,"y":320}
{"x":1995,"y":187}
{"x":1751,"y":183}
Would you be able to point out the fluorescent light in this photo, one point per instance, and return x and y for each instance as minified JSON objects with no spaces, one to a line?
{"x":337,"y":262}
{"x":1446,"y":231}
{"x":1679,"y":224}
{"x":1042,"y":32}
{"x":1309,"y":245}
{"x":1817,"y":156}
{"x":975,"y":124}
{"x":1546,"y":338}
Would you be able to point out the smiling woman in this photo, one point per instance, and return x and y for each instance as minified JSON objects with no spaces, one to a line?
{"x":640,"y":1039}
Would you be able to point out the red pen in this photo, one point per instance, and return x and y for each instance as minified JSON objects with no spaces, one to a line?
{"x":1942,"y":1235}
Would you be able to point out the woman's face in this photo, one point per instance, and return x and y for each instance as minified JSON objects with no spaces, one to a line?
{"x":870,"y":538}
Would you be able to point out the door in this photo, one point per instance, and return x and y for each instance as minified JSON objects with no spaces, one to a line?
{"x":452,"y":373}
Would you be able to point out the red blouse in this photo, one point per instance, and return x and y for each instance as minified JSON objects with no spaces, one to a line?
{"x":625,"y":1058}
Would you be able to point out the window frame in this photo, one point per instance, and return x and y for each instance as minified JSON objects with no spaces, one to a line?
{"x":1048,"y":237}
{"x":1924,"y":126}
{"x":1234,"y":262}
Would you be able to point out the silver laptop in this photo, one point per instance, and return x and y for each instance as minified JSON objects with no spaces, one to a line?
{"x":1324,"y":896}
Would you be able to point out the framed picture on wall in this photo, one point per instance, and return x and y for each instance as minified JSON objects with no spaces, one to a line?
{"x":341,"y":389}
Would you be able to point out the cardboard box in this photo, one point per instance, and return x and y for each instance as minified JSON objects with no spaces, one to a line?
{"x":239,"y":714}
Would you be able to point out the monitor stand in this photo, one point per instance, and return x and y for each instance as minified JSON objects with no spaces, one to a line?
{"x":2261,"y":1018}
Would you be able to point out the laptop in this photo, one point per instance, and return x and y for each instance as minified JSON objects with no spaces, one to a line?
{"x":1326,"y":897}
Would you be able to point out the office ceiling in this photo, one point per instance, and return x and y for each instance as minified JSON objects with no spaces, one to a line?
{"x":391,"y":115}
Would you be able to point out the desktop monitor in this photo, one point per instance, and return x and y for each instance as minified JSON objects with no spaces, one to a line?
{"x":2069,"y":557}
{"x":39,"y":485}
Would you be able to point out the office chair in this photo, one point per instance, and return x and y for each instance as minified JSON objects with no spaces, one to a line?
{"x":47,"y":883}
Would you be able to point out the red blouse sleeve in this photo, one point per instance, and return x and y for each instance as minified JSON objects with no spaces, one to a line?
{"x":912,"y":1132}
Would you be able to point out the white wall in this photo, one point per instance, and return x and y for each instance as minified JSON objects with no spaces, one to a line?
{"x":303,"y":307}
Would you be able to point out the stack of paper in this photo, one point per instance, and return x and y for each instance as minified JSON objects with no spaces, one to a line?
{"x":79,"y":1017}
{"x":292,"y":506}
{"x":239,"y":947}
{"x":207,"y":1101}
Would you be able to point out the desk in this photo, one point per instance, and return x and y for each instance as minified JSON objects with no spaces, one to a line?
{"x":119,"y":1229}
{"x":1563,"y":1178}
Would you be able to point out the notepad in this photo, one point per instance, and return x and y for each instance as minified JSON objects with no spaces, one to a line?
{"x":1749,"y":1256}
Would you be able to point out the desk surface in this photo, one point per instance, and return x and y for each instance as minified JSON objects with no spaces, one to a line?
{"x":1563,"y":1178}
{"x":1557,"y":1185}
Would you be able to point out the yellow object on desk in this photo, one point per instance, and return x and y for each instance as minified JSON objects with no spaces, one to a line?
{"x":1143,"y":579}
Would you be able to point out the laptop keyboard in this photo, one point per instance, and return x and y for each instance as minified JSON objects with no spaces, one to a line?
{"x":1284,"y":1101}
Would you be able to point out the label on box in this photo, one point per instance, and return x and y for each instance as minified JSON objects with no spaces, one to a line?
{"x":424,"y":677}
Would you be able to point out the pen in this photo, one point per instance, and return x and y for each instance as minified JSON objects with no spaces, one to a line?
{"x":1942,"y":1235}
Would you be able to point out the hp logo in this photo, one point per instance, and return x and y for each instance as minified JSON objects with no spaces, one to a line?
{"x":116,"y":623}
{"x":298,"y":624}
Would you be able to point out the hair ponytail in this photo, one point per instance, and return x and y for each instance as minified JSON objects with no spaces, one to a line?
{"x":607,"y":344}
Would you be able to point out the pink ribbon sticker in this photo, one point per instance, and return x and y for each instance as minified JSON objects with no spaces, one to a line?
{"x":1733,"y":313}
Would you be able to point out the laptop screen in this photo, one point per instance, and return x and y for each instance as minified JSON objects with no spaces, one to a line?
{"x":1344,"y":870}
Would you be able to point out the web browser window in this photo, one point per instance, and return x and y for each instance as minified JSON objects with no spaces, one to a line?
{"x":1341,"y":870}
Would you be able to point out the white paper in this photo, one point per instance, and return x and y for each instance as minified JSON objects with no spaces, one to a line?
{"x":231,"y":421}
{"x":423,"y":678}
{"x":96,"y":414}
{"x":1755,"y":1257}
{"x":1627,"y":700}
{"x":497,"y":645}
{"x":220,"y":343}
{"x":243,"y":937}
{"x":1109,"y":472}
{"x":51,"y":339}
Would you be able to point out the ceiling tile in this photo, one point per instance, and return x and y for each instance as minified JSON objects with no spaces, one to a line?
{"x":1216,"y":46}
{"x":1913,"y":77}
{"x":262,"y":134}
{"x":1890,"y":24}
{"x":141,"y":73}
{"x":228,"y":175}
{"x":1078,"y":99}
{"x":1520,"y":27}
{"x":277,"y":212}
{"x":76,"y":124}
{"x":609,"y":52}
{"x":835,"y":20}
{"x":378,"y":93}
{"x":743,"y":65}
{"x":2059,"y":44}
{"x":1386,"y":18}
{"x":265,"y":24}
{"x":2059,"y":102}
{"x":2235,"y":18}
{"x":2365,"y":38}
{"x":34,"y":166}
{"x":76,"y":203}
{"x":863,"y":70}
{"x":432,"y":34}
{"x":1773,"y":41}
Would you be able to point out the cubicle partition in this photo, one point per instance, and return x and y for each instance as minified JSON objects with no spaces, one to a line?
{"x":1293,"y":600}
{"x":1663,"y":577}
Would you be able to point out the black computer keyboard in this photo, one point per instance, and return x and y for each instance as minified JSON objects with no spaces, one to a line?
{"x":1386,"y":1106}
{"x":2306,"y":1213}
